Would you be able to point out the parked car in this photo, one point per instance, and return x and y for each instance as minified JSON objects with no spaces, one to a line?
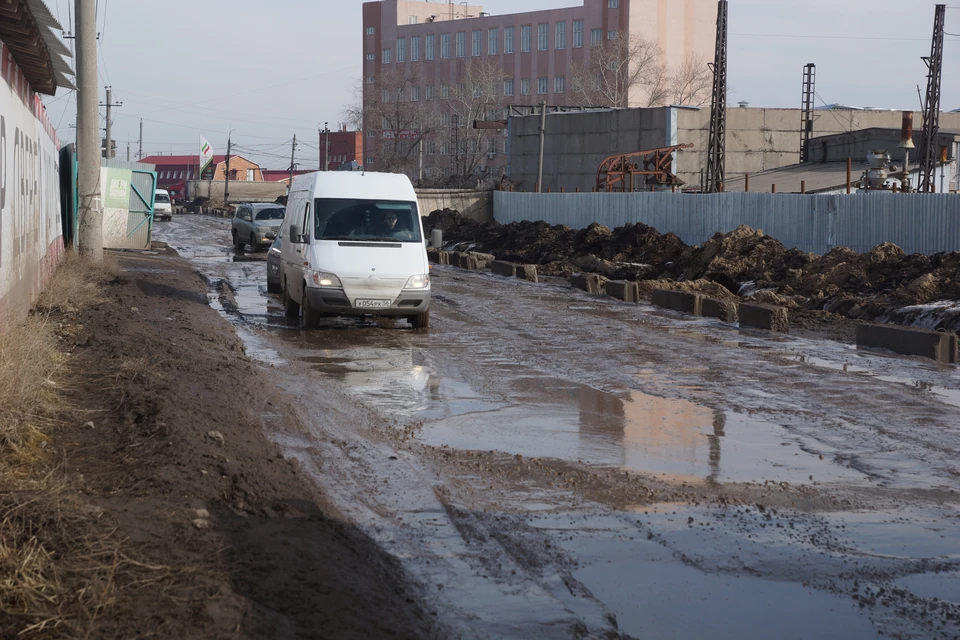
{"x":273,"y":265}
{"x":162,"y":207}
{"x":354,"y":246}
{"x":256,"y":224}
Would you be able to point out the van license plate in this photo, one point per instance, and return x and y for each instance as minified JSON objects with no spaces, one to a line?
{"x":372,"y":304}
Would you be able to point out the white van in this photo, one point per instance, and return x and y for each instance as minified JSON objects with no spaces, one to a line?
{"x":354,"y":245}
{"x":162,"y":207}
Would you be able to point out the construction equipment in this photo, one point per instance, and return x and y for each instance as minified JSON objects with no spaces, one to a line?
{"x":619,"y":172}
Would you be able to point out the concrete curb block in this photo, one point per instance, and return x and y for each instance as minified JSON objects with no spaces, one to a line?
{"x":725,"y":310}
{"x":677,"y":301}
{"x":622,"y":290}
{"x":469,"y":263}
{"x":433,"y":255}
{"x":444,"y":257}
{"x":527,"y":272}
{"x":589,"y":282}
{"x":941,"y":347}
{"x":764,"y":316}
{"x":501,"y":268}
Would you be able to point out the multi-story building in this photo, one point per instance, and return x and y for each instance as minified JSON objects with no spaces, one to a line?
{"x":453,"y":64}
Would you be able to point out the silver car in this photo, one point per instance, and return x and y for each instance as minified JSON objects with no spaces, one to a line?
{"x":256,"y":225}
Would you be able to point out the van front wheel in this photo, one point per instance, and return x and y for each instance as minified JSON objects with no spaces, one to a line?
{"x":421,"y":320}
{"x":291,"y":309}
{"x":309,"y":317}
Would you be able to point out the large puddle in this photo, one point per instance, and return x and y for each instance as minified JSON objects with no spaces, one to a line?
{"x":532,"y":414}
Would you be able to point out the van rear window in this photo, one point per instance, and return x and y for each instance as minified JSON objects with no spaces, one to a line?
{"x":368,"y":220}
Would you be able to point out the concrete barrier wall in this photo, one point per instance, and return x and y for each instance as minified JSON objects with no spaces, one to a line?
{"x":31,"y":238}
{"x":477,"y":205}
{"x":916,"y":223}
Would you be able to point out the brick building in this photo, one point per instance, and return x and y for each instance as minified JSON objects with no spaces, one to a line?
{"x":345,"y":147}
{"x":436,"y":45}
{"x":174,"y":171}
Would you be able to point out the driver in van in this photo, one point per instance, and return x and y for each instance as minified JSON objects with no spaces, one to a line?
{"x":387,"y":226}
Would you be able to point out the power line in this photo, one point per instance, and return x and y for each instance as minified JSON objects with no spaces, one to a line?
{"x":842,"y":126}
{"x":816,"y":37}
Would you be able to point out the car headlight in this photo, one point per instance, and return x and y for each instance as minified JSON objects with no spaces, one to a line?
{"x":418,"y":282}
{"x":326,"y":280}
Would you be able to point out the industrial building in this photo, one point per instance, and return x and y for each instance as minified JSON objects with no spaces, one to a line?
{"x":441,"y":44}
{"x":758,"y":141}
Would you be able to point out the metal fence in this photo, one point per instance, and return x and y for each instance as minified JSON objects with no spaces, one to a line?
{"x":916,"y":223}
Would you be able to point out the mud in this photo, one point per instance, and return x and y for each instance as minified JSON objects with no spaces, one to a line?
{"x":553,"y":464}
{"x":825,"y":291}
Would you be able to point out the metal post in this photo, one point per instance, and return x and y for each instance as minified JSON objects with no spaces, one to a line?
{"x":108,"y":146}
{"x":849,"y":174}
{"x":226,"y":173}
{"x":326,"y":147}
{"x":716,"y":160}
{"x":420,"y":159}
{"x":293,"y":153}
{"x":543,"y":131}
{"x":90,"y":234}
{"x":931,"y":118}
{"x":803,"y":187}
{"x":746,"y":183}
{"x":140,"y":151}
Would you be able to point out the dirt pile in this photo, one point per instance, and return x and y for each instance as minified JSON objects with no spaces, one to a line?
{"x":744,"y":262}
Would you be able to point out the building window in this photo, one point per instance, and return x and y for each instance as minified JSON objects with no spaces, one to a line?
{"x":611,"y":35}
{"x":371,"y":80}
{"x":385,"y":95}
{"x":401,"y":49}
{"x":371,"y":31}
{"x":431,"y":47}
{"x":461,"y":89}
{"x":525,"y":35}
{"x":415,"y":94}
{"x":411,"y":19}
{"x":477,"y":91}
{"x":541,"y":85}
{"x":578,"y":34}
{"x":369,"y":160}
{"x":508,"y":46}
{"x":491,"y":145}
{"x":445,"y":45}
{"x":445,"y":119}
{"x":493,"y":38}
{"x":415,"y":49}
{"x":561,"y":41}
{"x":445,"y":91}
{"x":431,"y":91}
{"x":613,"y":4}
{"x":371,"y":56}
{"x":508,"y":87}
{"x":444,"y":148}
{"x":387,"y":56}
{"x":461,"y":44}
{"x":596,"y":37}
{"x":559,"y":84}
{"x":525,"y":87}
{"x":371,"y":134}
{"x":543,"y":37}
{"x":477,"y":43}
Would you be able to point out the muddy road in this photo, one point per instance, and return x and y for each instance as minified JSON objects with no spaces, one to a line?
{"x":551,"y":464}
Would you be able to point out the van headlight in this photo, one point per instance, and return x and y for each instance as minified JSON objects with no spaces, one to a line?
{"x":421,"y":281}
{"x":326,"y":280}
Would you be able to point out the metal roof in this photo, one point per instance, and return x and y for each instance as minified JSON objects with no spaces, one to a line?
{"x":816,"y":176}
{"x":27,"y":29}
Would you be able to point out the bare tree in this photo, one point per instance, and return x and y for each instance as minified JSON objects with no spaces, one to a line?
{"x":398,"y":115}
{"x":691,"y":84}
{"x":478,"y":96}
{"x":619,"y":72}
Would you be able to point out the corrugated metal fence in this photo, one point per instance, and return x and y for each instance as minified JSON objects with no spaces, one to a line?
{"x":917,"y":223}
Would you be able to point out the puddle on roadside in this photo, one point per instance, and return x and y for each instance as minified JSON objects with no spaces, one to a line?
{"x":942,"y":586}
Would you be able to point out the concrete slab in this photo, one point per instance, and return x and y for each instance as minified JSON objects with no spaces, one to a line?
{"x":444,"y":257}
{"x":622,"y":290}
{"x":678,"y":301}
{"x":941,"y":347}
{"x":725,"y":310}
{"x":501,"y":268}
{"x":433,"y":255}
{"x":528,"y":272}
{"x":589,"y":282}
{"x":483,"y":259}
{"x":764,"y":316}
{"x":456,"y":257}
{"x":470,"y":263}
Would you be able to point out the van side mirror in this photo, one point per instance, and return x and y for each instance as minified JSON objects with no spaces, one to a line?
{"x":298,"y":238}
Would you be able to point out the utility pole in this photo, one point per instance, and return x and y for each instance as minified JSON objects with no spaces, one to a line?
{"x":806,"y":110}
{"x":108,"y":150}
{"x":140,"y":151}
{"x":128,"y":151}
{"x":90,"y":232}
{"x":293,"y":153}
{"x":226,"y":174}
{"x":930,"y":145}
{"x":543,"y":135}
{"x":716,"y":159}
{"x":326,"y":146}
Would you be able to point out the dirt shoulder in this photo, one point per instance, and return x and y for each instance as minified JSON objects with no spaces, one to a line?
{"x":209,"y":532}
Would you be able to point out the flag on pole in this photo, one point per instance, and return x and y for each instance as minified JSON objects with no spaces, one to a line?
{"x":206,"y":155}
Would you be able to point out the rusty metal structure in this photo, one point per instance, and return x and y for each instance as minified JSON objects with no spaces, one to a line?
{"x":717,"y":151}
{"x":806,"y":110}
{"x":619,"y":173}
{"x":27,"y":31}
{"x":929,"y":147}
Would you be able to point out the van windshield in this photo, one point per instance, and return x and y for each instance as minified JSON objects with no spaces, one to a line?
{"x":367,"y":220}
{"x":161,"y":197}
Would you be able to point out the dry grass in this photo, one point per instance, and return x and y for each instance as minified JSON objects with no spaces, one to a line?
{"x":76,"y":284}
{"x":57,"y":571}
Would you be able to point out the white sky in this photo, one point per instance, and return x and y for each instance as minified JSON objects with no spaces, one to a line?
{"x":269,"y":70}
